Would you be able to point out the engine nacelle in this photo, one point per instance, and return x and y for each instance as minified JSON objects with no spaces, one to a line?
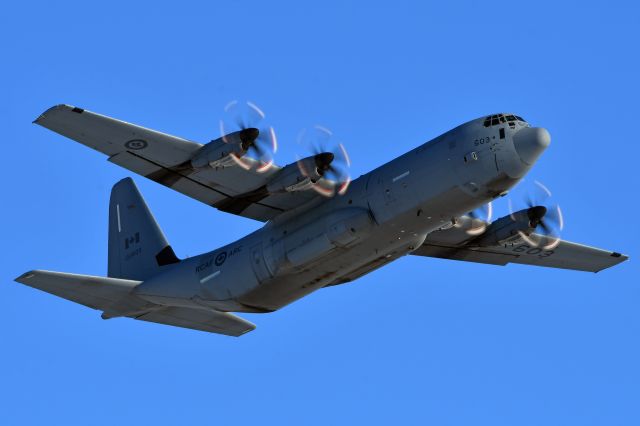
{"x":301,"y":175}
{"x":507,"y":229}
{"x":219,"y":152}
{"x":289,"y":179}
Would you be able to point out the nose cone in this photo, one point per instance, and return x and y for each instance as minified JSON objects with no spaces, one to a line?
{"x":530,"y":142}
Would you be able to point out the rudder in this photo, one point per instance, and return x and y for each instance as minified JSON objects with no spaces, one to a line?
{"x":137,"y":246}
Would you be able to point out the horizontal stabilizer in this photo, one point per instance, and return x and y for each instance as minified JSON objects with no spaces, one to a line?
{"x":200,"y":319}
{"x":113,"y":296}
{"x":88,"y":290}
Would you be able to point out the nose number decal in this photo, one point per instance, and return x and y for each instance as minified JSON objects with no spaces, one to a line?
{"x":482,"y":141}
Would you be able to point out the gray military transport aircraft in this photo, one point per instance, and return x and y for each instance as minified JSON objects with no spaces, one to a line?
{"x":321,"y":229}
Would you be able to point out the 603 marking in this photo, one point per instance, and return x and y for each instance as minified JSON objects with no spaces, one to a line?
{"x":524,"y":248}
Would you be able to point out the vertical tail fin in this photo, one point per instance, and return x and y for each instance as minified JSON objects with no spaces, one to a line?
{"x":137,"y":246}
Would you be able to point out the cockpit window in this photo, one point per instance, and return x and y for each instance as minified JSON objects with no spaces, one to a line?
{"x":494,"y":120}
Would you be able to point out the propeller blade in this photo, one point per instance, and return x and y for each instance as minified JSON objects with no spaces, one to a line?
{"x":332,"y":160}
{"x":481,"y":217}
{"x":543,"y":214}
{"x":545,"y":227}
{"x":258,"y":139}
{"x":554,"y":216}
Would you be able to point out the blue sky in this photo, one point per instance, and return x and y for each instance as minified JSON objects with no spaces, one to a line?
{"x":422,"y":341}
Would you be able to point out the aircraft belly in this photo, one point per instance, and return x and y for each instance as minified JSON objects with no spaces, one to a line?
{"x":309,"y":261}
{"x":335,"y":267}
{"x":261,"y":273}
{"x":400,"y":204}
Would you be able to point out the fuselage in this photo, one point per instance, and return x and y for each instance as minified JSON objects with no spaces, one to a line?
{"x":384,"y":215}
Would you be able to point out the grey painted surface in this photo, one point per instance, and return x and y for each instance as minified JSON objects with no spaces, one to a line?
{"x":415,"y":204}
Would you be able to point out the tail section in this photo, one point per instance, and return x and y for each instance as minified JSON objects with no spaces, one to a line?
{"x":137,"y":246}
{"x":137,"y":250}
{"x":113,"y":296}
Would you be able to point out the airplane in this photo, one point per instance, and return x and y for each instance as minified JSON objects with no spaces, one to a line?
{"x":321,"y":229}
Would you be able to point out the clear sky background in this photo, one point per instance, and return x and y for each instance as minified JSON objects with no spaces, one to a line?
{"x":421,"y":341}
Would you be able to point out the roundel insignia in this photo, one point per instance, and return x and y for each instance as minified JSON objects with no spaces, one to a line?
{"x":136,"y":144}
{"x":220,"y":258}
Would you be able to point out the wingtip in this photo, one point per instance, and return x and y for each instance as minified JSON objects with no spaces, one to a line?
{"x":249,"y":329}
{"x":25,"y":277}
{"x":621,"y":257}
{"x":67,"y":107}
{"x":47,"y":111}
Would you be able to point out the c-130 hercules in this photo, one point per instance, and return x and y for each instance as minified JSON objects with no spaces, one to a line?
{"x":321,"y":229}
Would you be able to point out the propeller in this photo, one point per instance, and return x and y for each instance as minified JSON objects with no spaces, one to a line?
{"x":330,"y":159}
{"x":480,"y":217}
{"x":545,"y":216}
{"x":257,"y":137}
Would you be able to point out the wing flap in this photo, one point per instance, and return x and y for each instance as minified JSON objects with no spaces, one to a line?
{"x":200,"y":319}
{"x":462,"y":253}
{"x":168,"y":178}
{"x":135,"y":163}
{"x":208,"y":193}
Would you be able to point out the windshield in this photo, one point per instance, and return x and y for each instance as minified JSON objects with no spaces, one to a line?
{"x":496,"y":119}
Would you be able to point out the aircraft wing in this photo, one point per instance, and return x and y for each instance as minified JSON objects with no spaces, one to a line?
{"x":112,"y":295}
{"x":453,"y":244}
{"x":161,"y":158}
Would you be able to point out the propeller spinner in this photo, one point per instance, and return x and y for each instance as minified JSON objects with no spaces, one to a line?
{"x":329,"y":173}
{"x":545,"y":217}
{"x":258,"y":139}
